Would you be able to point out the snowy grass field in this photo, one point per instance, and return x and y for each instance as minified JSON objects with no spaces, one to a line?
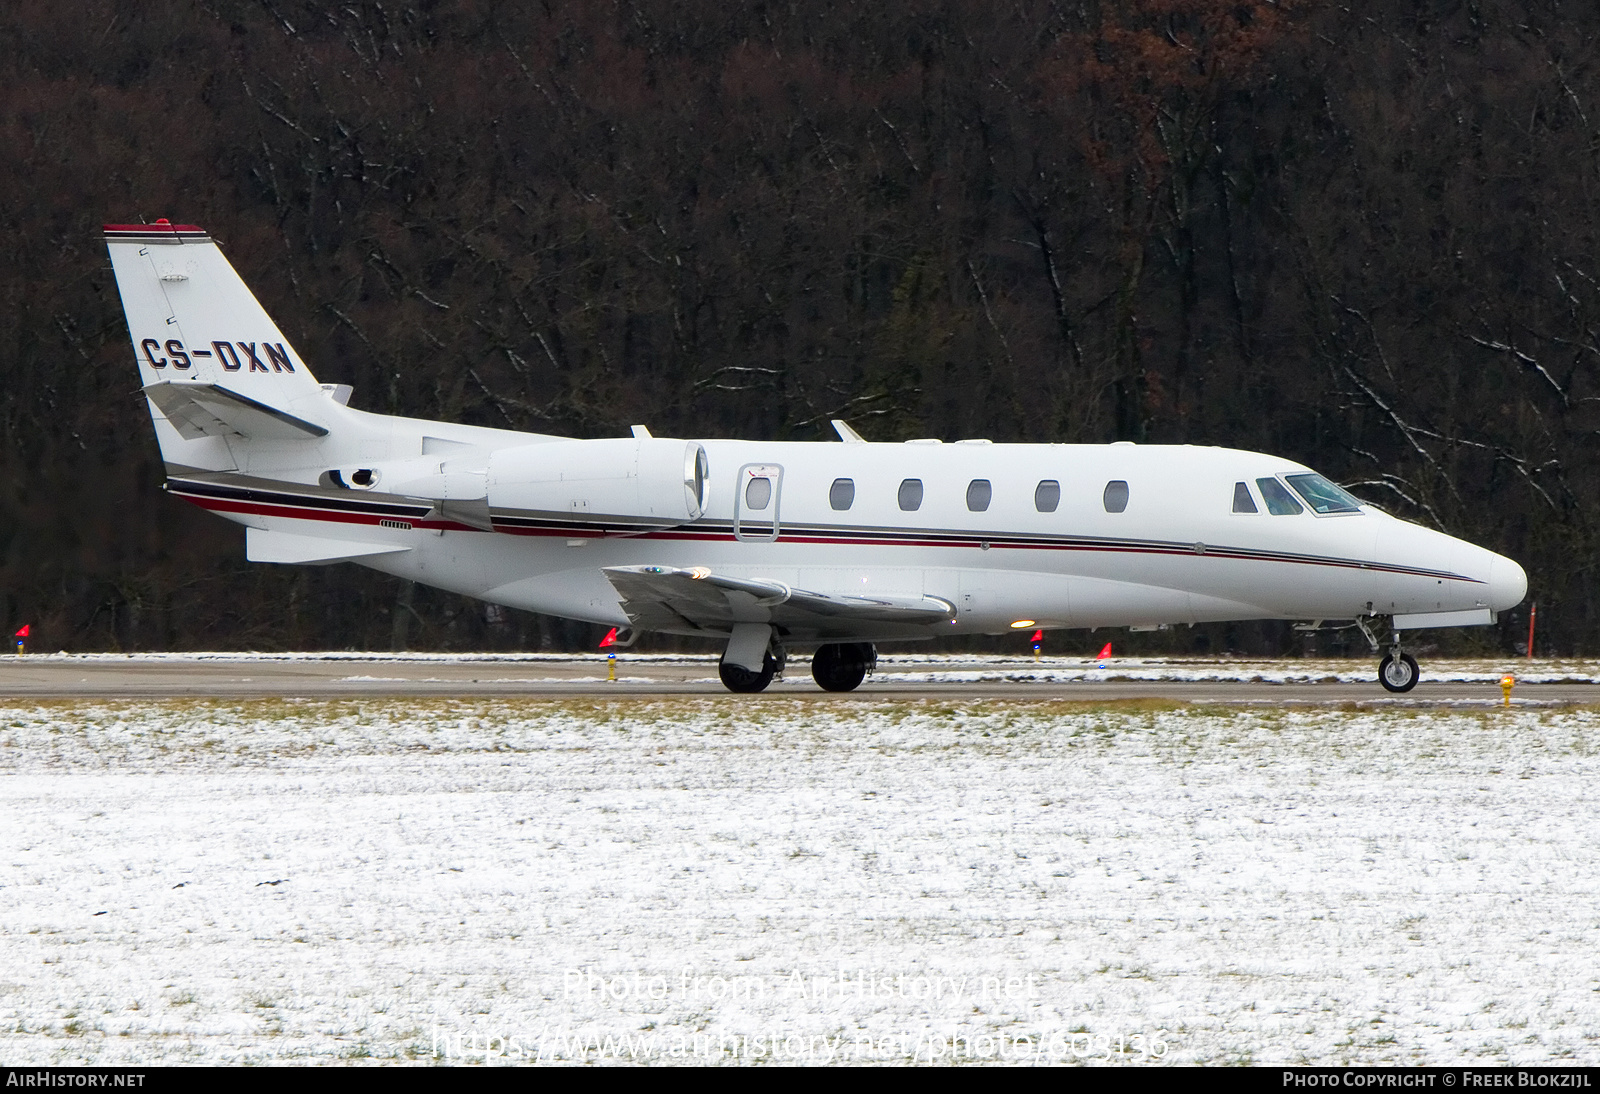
{"x":720,"y":879}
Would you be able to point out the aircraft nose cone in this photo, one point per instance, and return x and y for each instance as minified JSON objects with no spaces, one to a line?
{"x":1508,"y":584}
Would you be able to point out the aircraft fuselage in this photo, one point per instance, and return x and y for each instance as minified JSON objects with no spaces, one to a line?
{"x":1175,"y":553}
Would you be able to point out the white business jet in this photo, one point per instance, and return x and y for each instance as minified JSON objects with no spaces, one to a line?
{"x":764,"y":545}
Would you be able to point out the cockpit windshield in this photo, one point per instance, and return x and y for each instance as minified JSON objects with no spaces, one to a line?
{"x":1324,"y":496}
{"x":1280,"y":503}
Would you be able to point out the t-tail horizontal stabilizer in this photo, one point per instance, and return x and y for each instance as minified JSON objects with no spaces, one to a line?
{"x":210,"y":410}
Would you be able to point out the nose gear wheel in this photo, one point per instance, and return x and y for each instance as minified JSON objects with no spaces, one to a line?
{"x":1398,"y":672}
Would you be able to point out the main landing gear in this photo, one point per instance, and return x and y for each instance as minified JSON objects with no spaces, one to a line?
{"x":1398,"y":670}
{"x":749,"y":645}
{"x":737,"y":678}
{"x":838,"y":666}
{"x":842,"y":666}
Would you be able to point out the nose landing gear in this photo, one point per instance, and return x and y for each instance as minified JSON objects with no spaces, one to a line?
{"x":1398,"y":671}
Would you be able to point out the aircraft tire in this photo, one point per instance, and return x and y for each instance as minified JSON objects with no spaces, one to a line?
{"x":742,"y":680}
{"x":1398,"y":674}
{"x":840,"y":666}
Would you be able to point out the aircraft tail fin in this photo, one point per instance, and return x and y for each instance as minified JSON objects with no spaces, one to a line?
{"x":215,"y":367}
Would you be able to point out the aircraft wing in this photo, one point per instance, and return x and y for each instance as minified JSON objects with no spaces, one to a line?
{"x":664,"y":598}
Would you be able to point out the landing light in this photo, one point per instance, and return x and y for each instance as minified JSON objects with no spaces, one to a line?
{"x":1021,"y":623}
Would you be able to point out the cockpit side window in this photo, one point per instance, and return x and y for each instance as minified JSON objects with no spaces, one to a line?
{"x":1324,"y":496}
{"x":1280,"y":503}
{"x":1242,"y":501}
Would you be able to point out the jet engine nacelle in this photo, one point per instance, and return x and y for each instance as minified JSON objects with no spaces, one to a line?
{"x":648,"y":480}
{"x":651,"y":480}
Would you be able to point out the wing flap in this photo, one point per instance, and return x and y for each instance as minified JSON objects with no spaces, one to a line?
{"x":665,"y":598}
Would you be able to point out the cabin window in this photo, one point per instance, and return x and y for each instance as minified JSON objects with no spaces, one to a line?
{"x":1324,"y":496}
{"x":758,"y":493}
{"x":911,"y":495}
{"x":1242,"y":501}
{"x":1047,"y":496}
{"x":1280,"y":503}
{"x":1116,"y":496}
{"x":842,"y":494}
{"x":979,"y":493}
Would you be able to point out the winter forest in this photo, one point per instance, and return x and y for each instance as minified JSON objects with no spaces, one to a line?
{"x":1359,"y":235}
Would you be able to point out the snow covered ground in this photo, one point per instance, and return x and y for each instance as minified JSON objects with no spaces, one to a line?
{"x":724,"y":879}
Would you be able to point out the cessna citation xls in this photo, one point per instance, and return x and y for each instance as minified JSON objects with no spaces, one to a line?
{"x":764,"y":545}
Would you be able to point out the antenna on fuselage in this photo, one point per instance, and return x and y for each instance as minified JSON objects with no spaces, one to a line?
{"x":846,"y":434}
